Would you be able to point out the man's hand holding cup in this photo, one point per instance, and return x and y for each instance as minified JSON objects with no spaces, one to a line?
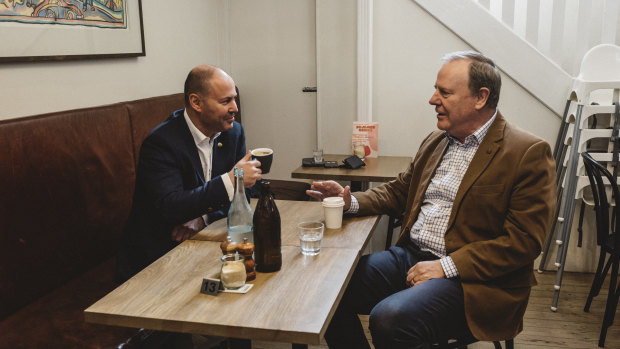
{"x":251,"y":170}
{"x":322,"y":190}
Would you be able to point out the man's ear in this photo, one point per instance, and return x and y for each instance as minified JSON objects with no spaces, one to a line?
{"x":481,"y":99}
{"x":195,"y":102}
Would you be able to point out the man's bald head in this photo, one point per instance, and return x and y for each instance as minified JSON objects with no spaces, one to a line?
{"x":199,"y":80}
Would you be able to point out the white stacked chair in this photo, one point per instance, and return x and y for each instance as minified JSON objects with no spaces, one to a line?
{"x":598,"y":81}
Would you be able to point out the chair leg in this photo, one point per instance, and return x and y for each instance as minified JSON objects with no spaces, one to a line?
{"x":582,"y":211}
{"x":560,"y":169}
{"x":559,"y":140}
{"x":497,"y":345}
{"x":615,"y":306}
{"x":390,"y":231}
{"x":597,"y":282}
{"x":612,"y":301}
{"x":545,"y":252}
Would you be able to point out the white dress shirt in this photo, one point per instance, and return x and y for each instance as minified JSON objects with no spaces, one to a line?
{"x":204,"y":145}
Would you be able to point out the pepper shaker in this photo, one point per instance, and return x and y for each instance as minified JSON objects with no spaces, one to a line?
{"x":246,"y":249}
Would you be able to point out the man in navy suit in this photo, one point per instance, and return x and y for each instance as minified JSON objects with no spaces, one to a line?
{"x":185,"y":174}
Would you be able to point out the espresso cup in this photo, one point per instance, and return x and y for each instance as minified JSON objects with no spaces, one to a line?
{"x":265,"y":156}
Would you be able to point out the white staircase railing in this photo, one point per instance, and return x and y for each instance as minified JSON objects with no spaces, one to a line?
{"x":538,"y":43}
{"x":563,"y":30}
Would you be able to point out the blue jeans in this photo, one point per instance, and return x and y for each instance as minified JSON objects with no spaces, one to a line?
{"x":400,"y":316}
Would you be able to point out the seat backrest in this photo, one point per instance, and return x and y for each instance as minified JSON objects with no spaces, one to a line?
{"x":601,"y":63}
{"x":67,"y":180}
{"x":602,"y":199}
{"x":145,"y":114}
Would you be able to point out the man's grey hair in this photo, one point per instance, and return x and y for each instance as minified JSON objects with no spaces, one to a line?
{"x":482,"y":73}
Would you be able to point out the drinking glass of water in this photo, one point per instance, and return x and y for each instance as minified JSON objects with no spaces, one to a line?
{"x":318,"y":155}
{"x":310,"y":236}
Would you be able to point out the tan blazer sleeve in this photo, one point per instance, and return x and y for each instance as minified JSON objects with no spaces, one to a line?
{"x":389,"y":198}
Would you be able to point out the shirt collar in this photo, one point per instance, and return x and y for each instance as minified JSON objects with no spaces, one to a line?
{"x":478,"y":135}
{"x":197,"y":135}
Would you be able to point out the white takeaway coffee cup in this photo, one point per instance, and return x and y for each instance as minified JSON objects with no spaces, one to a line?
{"x":332,"y":207}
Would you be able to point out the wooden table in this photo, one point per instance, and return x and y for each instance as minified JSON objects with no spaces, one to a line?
{"x":380,"y":169}
{"x":348,"y":236}
{"x":292,"y":305}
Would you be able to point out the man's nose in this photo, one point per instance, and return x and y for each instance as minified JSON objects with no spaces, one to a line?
{"x":233,"y":108}
{"x":434,"y":100}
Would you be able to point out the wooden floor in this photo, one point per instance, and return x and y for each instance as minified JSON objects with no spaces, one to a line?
{"x":569,"y":327}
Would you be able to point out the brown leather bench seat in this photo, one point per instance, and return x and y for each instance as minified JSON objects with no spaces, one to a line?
{"x":66,"y":188}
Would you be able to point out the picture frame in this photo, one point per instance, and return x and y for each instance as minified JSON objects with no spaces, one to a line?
{"x":59,"y":30}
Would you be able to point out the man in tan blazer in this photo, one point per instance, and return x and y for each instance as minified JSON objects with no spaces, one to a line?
{"x":477,"y":202}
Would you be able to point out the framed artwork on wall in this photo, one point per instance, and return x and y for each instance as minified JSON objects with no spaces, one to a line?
{"x":58,"y":30}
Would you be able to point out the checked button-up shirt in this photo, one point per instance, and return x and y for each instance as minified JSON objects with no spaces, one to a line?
{"x":428,"y":232}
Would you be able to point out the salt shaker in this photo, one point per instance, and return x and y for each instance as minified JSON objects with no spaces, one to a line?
{"x":228,"y":246}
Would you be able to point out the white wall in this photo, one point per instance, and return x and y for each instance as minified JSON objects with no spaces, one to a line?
{"x":408,"y":45}
{"x":174,"y":44}
{"x":272,"y":44}
{"x":337,"y":70}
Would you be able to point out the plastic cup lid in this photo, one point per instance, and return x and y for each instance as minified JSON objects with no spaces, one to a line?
{"x":334,"y":201}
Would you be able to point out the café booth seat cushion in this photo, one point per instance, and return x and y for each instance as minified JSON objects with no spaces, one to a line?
{"x":56,"y":319}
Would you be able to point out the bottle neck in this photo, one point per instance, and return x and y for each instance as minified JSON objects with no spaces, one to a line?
{"x":239,"y":180}
{"x":265,"y":190}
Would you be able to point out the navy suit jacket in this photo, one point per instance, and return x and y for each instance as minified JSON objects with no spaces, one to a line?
{"x":171,"y":190}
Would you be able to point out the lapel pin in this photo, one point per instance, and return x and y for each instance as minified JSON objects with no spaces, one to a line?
{"x":219,"y":144}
